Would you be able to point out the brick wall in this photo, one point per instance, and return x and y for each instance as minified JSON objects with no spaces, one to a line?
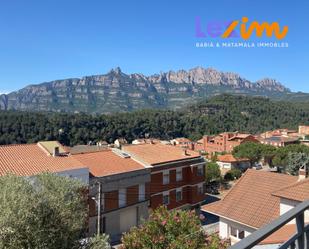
{"x":189,"y":177}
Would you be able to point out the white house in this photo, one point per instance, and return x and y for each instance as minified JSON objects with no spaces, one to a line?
{"x":250,"y":204}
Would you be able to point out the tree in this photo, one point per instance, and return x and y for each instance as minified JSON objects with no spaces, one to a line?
{"x":175,"y":229}
{"x":45,"y":211}
{"x":297,"y":160}
{"x":267,"y":152}
{"x":249,"y":150}
{"x":212,"y":172}
{"x":282,"y":154}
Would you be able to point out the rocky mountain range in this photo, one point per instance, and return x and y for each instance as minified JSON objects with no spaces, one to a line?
{"x":117,"y":91}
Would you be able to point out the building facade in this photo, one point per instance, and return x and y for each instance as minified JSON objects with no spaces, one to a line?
{"x":226,"y":142}
{"x":118,"y":192}
{"x":177,"y":175}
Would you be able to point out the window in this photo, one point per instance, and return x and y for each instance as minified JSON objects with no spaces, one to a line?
{"x":234,"y":232}
{"x":241,"y":234}
{"x":141,"y":192}
{"x":200,"y":171}
{"x":179,"y":175}
{"x":179,"y":195}
{"x":122,"y":195}
{"x":166,"y":177}
{"x":200,"y":189}
{"x":166,"y":198}
{"x":237,"y":233}
{"x":102,"y":202}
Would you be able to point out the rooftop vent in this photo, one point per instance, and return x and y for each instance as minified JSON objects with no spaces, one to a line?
{"x":121,"y":153}
{"x":56,"y":151}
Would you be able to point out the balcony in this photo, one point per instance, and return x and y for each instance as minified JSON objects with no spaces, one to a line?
{"x":299,"y":240}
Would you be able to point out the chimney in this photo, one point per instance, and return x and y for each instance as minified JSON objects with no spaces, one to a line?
{"x":56,"y":151}
{"x":192,"y":146}
{"x":185,"y":152}
{"x":302,"y":173}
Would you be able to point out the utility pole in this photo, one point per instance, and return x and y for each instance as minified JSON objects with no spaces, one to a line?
{"x":99,"y":209}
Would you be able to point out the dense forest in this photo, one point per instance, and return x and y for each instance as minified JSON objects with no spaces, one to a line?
{"x":214,"y":115}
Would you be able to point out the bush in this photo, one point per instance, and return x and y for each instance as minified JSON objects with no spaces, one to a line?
{"x":166,"y":230}
{"x":98,"y":242}
{"x":232,"y":175}
{"x":175,"y":229}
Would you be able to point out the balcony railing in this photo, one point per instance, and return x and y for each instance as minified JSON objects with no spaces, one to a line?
{"x":299,"y":240}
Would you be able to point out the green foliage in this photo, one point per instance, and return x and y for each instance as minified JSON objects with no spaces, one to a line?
{"x":212,"y":172}
{"x":176,"y":229}
{"x":99,"y":242}
{"x":249,"y":150}
{"x":296,"y":161}
{"x":218,"y":114}
{"x":255,"y":151}
{"x":232,"y":175}
{"x":42,"y":212}
{"x":214,"y":242}
{"x":282,"y":154}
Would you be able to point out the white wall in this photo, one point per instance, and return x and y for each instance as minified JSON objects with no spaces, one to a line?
{"x":225,"y":224}
{"x":224,"y":165}
{"x":81,"y":174}
{"x":286,"y":205}
{"x":223,"y":229}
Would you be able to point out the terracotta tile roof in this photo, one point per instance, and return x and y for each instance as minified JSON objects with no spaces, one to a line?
{"x":298,"y":191}
{"x":280,"y":236}
{"x":182,"y":140}
{"x":158,"y":153}
{"x":230,"y":158}
{"x":250,"y":201}
{"x":240,"y":136}
{"x":31,"y":159}
{"x":106,"y":162}
{"x":78,"y":149}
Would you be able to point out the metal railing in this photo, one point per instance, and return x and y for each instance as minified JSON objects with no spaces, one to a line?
{"x":299,"y":240}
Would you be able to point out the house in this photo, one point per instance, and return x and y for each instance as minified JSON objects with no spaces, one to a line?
{"x":303,"y":130}
{"x":123,"y":182}
{"x":120,"y":186}
{"x":145,"y":141}
{"x":226,"y":142}
{"x":279,"y":141}
{"x":228,"y":161}
{"x":257,"y":198}
{"x":279,"y":132}
{"x":177,"y":175}
{"x":32,"y":159}
{"x":119,"y":142}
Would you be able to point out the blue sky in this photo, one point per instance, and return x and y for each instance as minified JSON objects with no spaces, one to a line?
{"x":56,"y":39}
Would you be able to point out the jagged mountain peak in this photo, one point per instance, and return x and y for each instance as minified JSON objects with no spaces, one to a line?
{"x":270,"y":83}
{"x":118,"y":91}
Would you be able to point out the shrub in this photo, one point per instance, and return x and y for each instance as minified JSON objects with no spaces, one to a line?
{"x":232,"y":175}
{"x":98,"y":242}
{"x":176,"y":229}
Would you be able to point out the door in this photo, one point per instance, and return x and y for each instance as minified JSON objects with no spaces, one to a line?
{"x":128,"y":219}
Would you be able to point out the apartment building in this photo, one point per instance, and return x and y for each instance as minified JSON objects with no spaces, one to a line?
{"x":177,"y":175}
{"x":225,"y":142}
{"x":118,"y":191}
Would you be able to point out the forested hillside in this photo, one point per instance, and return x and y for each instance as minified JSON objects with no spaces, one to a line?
{"x":218,"y":114}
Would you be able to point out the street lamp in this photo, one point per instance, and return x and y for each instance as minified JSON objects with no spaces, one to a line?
{"x":98,"y":203}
